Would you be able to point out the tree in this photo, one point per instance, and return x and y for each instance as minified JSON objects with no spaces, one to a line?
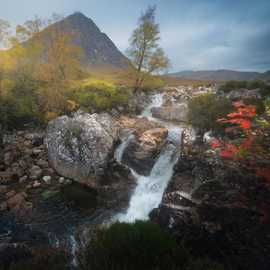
{"x":37,"y":68}
{"x":205,"y":110}
{"x":4,"y":30}
{"x":61,"y":64}
{"x":146,"y":56}
{"x":4,"y":34}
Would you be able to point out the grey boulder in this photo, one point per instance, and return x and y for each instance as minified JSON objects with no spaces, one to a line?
{"x":79,"y":147}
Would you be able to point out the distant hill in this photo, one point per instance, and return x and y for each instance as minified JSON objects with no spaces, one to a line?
{"x":220,"y":75}
{"x":98,"y":49}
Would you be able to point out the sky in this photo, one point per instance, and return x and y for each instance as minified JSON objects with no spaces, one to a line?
{"x":195,"y":34}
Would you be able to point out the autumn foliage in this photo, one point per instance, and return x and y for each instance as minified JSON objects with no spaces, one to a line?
{"x":247,"y":149}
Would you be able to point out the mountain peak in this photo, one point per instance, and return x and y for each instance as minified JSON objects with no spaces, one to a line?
{"x":98,"y":48}
{"x":78,"y":16}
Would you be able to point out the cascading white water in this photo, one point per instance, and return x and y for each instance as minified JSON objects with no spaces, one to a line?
{"x":156,"y":101}
{"x":120,"y":149}
{"x":150,"y":189}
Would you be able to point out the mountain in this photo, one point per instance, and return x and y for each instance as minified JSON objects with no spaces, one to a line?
{"x":98,"y":49}
{"x":220,"y":75}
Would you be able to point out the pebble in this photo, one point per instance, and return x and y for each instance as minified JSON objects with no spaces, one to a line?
{"x":47,"y":179}
{"x":10,"y":193}
{"x":36,"y":184}
{"x":61,"y":180}
{"x":23,"y":179}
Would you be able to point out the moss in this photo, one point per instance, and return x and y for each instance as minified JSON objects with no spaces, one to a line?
{"x":99,"y":95}
{"x":142,"y":245}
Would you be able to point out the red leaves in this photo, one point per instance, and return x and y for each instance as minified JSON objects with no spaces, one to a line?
{"x":243,"y":123}
{"x":241,"y":116}
{"x":215,"y":144}
{"x":229,"y":151}
{"x":242,"y":119}
{"x":246,"y":149}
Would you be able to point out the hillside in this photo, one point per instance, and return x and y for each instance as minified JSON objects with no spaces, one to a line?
{"x":98,"y":49}
{"x":221,"y":75}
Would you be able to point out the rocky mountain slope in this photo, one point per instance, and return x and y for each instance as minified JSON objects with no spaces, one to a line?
{"x":221,"y":75}
{"x":98,"y":49}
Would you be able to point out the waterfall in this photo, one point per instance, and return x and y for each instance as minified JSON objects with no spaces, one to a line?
{"x":156,"y":101}
{"x":149,"y":191}
{"x":121,"y":148}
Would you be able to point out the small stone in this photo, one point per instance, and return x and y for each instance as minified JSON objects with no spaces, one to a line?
{"x":5,"y":176}
{"x":3,"y":206}
{"x":48,"y":171}
{"x":37,"y":151}
{"x":47,"y":179}
{"x":35,"y":172}
{"x":28,"y":206}
{"x":8,"y":158}
{"x":22,"y":164}
{"x":68,"y":182}
{"x":10,"y":193}
{"x":17,"y":199}
{"x":23,"y":179}
{"x":42,"y":163}
{"x":36,"y":184}
{"x":27,"y":143}
{"x":28,"y":186}
{"x":3,"y":189}
{"x":61,"y":180}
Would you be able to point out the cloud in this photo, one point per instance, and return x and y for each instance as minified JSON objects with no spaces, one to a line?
{"x":197,"y":34}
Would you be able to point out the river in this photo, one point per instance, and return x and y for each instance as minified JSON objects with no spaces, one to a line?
{"x":149,"y":191}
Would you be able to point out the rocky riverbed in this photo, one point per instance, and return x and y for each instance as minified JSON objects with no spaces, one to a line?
{"x":220,"y":210}
{"x":85,"y":170}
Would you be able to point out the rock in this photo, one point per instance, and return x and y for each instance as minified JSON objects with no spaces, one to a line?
{"x":37,"y":151}
{"x":47,"y":179}
{"x":35,"y":172}
{"x":28,"y":144}
{"x":79,"y":147}
{"x":8,"y":158}
{"x":175,"y":112}
{"x":3,"y":189}
{"x":10,"y":194}
{"x":139,"y":125}
{"x":3,"y":206}
{"x":245,"y":94}
{"x":36,"y":184}
{"x":16,"y":200}
{"x":209,"y":203}
{"x":48,"y":171}
{"x":7,"y":177}
{"x":138,"y":102}
{"x":23,"y":164}
{"x":36,"y":138}
{"x":23,"y":179}
{"x":61,"y":180}
{"x":142,"y":151}
{"x":42,"y":163}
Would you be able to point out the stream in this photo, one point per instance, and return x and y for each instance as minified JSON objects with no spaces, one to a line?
{"x":149,"y":191}
{"x":60,"y":222}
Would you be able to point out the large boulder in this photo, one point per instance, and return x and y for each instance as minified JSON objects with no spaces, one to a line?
{"x":137,"y":124}
{"x":80,"y":147}
{"x":143,"y":150}
{"x":174,"y":112}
